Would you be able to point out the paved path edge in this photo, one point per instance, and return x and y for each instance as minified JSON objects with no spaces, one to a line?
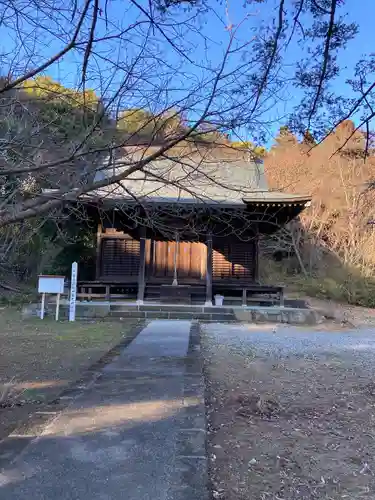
{"x":31,"y":429}
{"x":191,"y":452}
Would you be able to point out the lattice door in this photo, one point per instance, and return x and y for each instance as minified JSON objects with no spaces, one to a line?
{"x":120,"y":257}
{"x":233,"y":260}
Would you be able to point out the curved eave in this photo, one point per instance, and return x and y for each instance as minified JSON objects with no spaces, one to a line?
{"x":266,"y":216}
{"x":273,"y":215}
{"x":280,"y":199}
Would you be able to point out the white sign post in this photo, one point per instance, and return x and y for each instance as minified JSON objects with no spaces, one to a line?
{"x":53,"y":285}
{"x":73,"y":292}
{"x":42,"y":306}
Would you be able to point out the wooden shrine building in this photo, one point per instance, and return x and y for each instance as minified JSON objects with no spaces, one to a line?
{"x":188,"y":224}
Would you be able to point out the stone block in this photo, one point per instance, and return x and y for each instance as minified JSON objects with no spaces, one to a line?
{"x":308,"y":317}
{"x":222,"y":317}
{"x":189,"y":492}
{"x":244,"y":315}
{"x":263,"y":316}
{"x":193,"y":479}
{"x":128,"y":314}
{"x":181,"y":315}
{"x":192,"y":443}
{"x":86,"y":310}
{"x":33,"y":310}
{"x":218,"y":310}
{"x":122,"y":307}
{"x":194,"y":417}
{"x":202,"y":316}
{"x":150,"y":307}
{"x":92,"y":310}
{"x":193,"y":365}
{"x":195,"y":392}
{"x":179,"y":308}
{"x":156,"y":314}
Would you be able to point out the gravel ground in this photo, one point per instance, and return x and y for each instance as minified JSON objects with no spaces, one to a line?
{"x":291,"y":412}
{"x":281,"y":341}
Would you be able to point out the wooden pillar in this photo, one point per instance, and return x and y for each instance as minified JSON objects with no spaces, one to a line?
{"x":209,"y":271}
{"x":244,"y":296}
{"x":98,"y":252}
{"x":256,"y":259}
{"x":142,"y":268}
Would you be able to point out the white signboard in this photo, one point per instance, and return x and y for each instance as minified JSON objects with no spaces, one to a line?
{"x":51,"y":284}
{"x":73,"y":292}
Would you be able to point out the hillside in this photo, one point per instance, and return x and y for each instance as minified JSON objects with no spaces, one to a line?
{"x":336,"y":243}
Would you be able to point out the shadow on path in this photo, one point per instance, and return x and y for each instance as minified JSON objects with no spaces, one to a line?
{"x":137,"y":433}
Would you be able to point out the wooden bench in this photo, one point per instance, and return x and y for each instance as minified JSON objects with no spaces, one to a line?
{"x":274,"y":293}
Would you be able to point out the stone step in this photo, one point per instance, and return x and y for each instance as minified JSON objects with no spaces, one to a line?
{"x":171,"y":308}
{"x":292,"y":316}
{"x":90,"y":310}
{"x":165,"y":314}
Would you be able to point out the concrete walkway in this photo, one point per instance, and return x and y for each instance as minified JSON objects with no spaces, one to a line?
{"x":138,"y":432}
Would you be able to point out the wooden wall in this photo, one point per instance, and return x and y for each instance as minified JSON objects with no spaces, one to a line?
{"x":191,"y":260}
{"x":119,"y":259}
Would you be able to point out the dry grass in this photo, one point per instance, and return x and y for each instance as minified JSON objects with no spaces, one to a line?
{"x":39,"y":359}
{"x":333,"y":239}
{"x":333,"y":283}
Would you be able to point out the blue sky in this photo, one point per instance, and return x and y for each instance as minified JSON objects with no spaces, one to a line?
{"x":212,"y":26}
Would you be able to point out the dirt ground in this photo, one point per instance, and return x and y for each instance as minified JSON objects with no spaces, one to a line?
{"x":39,"y":359}
{"x":291,"y":412}
{"x":347,"y":314}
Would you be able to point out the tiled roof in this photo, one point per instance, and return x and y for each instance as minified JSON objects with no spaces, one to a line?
{"x":190,"y":178}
